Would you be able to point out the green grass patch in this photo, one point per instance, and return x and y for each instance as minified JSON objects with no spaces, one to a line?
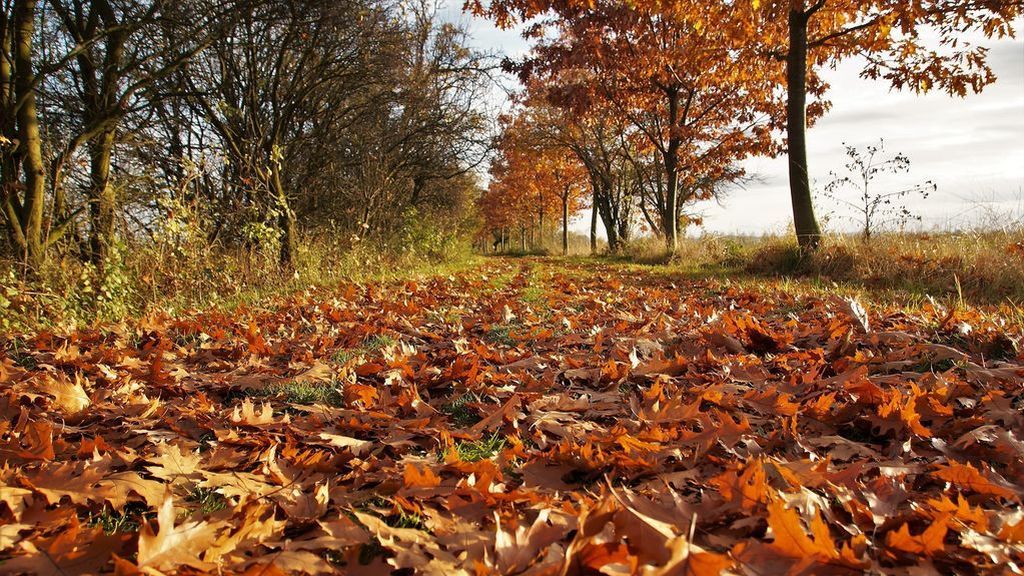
{"x":304,"y":393}
{"x":378,"y":342}
{"x":483,"y":449}
{"x":207,"y":501}
{"x":21,"y":354}
{"x":127,"y":521}
{"x":371,"y":344}
{"x":500,"y":334}
{"x":459,"y":413}
{"x":932,"y":365}
{"x":406,"y":520}
{"x":392,"y":516}
{"x":534,"y":295}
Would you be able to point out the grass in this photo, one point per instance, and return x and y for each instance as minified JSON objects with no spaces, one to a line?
{"x":406,"y":520}
{"x":534,"y":295}
{"x":127,"y":521}
{"x":459,"y":413}
{"x":396,"y":518}
{"x":483,"y":449}
{"x":371,"y":344}
{"x":304,"y":393}
{"x":207,"y":501}
{"x":978,"y":267}
{"x":500,"y":334}
{"x":154,"y":277}
{"x":19,"y":353}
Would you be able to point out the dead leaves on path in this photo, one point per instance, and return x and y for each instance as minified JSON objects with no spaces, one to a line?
{"x":530,"y":417}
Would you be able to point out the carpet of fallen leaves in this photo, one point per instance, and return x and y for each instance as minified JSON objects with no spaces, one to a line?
{"x":531,"y":416}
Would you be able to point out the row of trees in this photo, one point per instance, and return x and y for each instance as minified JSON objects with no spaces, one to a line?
{"x":658,"y":102}
{"x":264,"y":117}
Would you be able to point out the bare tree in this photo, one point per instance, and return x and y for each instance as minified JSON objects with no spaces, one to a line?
{"x":874,"y":210}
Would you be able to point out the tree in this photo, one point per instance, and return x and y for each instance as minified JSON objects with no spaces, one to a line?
{"x":539,"y":172}
{"x":873,"y":210}
{"x":23,"y":203}
{"x":286,"y":73}
{"x":112,"y":56}
{"x":676,"y":80}
{"x":917,"y":45}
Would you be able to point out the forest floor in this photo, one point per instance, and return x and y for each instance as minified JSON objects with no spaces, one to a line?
{"x":532,"y":415}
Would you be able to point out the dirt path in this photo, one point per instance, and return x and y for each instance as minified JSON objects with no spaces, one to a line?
{"x":530,"y":415}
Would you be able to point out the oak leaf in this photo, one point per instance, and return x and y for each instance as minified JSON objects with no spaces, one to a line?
{"x":71,"y":551}
{"x":967,"y":477}
{"x":927,"y":543}
{"x":174,"y":545}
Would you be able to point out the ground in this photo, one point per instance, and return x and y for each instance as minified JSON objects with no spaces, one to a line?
{"x":527,"y":416}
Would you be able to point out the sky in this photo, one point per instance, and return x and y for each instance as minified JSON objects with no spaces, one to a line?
{"x":972,"y":148}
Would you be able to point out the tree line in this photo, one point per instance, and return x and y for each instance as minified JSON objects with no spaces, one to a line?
{"x":652,"y":106}
{"x":264,"y":118}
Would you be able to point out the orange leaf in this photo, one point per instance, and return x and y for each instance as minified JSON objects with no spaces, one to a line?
{"x":1013,"y":533}
{"x":596,"y":556}
{"x":967,"y":477}
{"x":928,"y":542}
{"x":413,"y":478}
{"x":360,"y":393}
{"x":790,"y":538}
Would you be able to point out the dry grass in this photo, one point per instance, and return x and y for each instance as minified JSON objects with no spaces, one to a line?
{"x":981,"y":267}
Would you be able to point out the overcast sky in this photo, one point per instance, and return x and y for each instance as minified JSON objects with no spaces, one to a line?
{"x":972,"y":148}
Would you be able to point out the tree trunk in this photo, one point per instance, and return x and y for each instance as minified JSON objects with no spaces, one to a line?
{"x":102,"y":198}
{"x":671,"y":206}
{"x":8,"y":124}
{"x":610,"y":226}
{"x":285,"y":221}
{"x":565,"y":223}
{"x":593,"y":229}
{"x":30,"y":145}
{"x":540,"y":221}
{"x":672,"y":178}
{"x":808,"y":233}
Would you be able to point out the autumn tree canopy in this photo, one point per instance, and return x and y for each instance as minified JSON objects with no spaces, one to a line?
{"x":534,"y":179}
{"x":706,"y":82}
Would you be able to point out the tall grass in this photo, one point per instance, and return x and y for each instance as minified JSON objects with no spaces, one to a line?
{"x":985,"y":266}
{"x":173,"y":277}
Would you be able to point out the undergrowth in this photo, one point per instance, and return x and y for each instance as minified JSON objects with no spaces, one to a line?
{"x":141,"y":279}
